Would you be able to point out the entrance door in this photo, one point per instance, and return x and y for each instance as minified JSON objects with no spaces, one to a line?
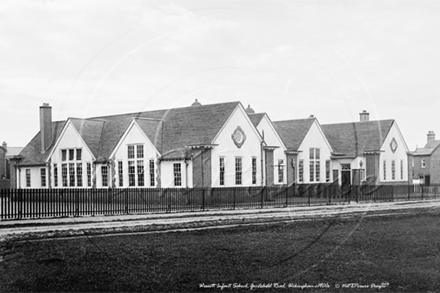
{"x":427,"y":180}
{"x":345,"y":183}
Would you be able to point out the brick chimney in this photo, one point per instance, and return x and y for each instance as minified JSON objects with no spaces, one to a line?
{"x":364,"y":116}
{"x":45,"y":126}
{"x":431,"y":136}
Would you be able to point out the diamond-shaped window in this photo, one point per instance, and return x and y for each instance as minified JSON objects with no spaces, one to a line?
{"x":393,"y":145}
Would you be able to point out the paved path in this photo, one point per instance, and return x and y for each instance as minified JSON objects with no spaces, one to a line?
{"x":121,"y":222}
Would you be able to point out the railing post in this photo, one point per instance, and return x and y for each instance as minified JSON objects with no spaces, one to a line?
{"x":126,"y":201}
{"x":329,"y":191}
{"x":309,"y":195}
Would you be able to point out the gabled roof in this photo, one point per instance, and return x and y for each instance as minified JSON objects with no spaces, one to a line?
{"x":355,"y":138}
{"x":256,"y":118}
{"x":169,"y":130}
{"x":31,"y":154}
{"x":90,"y":131}
{"x":293,"y":132}
{"x":429,"y":148}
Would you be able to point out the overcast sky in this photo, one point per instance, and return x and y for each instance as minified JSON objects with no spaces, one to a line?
{"x":290,"y":59}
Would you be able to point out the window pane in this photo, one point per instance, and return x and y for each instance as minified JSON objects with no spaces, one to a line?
{"x":71,"y":155}
{"x":140,"y":151}
{"x":78,"y":154}
{"x":131,"y":151}
{"x":63,"y":155}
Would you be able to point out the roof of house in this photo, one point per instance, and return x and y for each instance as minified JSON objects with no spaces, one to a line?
{"x":31,"y":153}
{"x":13,"y":151}
{"x":293,"y":132}
{"x":169,"y":130}
{"x":256,"y":118}
{"x":429,"y":148}
{"x":354,"y":138}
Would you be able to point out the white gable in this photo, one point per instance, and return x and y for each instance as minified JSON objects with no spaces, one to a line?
{"x":315,"y":139}
{"x":134,"y":135}
{"x":70,"y":139}
{"x":227,"y":149}
{"x":394,"y":149}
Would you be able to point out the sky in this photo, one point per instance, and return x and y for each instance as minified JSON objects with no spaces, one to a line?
{"x":290,"y":59}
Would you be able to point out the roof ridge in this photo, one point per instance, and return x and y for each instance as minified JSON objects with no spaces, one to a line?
{"x":159,"y":110}
{"x":358,"y":122}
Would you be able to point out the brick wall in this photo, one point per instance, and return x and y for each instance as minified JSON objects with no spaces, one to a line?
{"x":269,"y":167}
{"x":372,"y":167}
{"x":202,"y":168}
{"x":291,"y":171}
{"x":2,"y":163}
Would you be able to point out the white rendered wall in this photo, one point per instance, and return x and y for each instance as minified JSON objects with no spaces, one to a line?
{"x":388,"y":155}
{"x":226,"y":148}
{"x":70,"y":139}
{"x":167,"y":173}
{"x":35,"y":177}
{"x":272,"y":139}
{"x":314,"y":139}
{"x":135,"y":136}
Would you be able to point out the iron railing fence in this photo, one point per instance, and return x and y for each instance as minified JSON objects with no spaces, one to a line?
{"x":48,"y":203}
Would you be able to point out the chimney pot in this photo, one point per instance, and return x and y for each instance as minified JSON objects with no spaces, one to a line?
{"x":364,"y":116}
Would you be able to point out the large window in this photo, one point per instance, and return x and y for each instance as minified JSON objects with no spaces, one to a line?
{"x":28,"y":177}
{"x":64,"y":174}
{"x":71,"y":170}
{"x":177,"y":169}
{"x":280,"y":171}
{"x":301,"y":171}
{"x":327,"y":171}
{"x":393,"y":170}
{"x":152,"y":176}
{"x":131,"y":173}
{"x":72,"y":174}
{"x":384,"y":170}
{"x":222,"y":171}
{"x":254,"y":170}
{"x":140,"y":173}
{"x":401,"y":169}
{"x":104,"y":176}
{"x":238,"y":171}
{"x":43,"y":177}
{"x":120,"y":174}
{"x":314,"y":166}
{"x":79,"y":180}
{"x":55,"y":175}
{"x":136,"y":174}
{"x":89,"y":174}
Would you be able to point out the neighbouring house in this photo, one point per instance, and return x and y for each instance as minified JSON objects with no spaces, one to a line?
{"x":198,"y":146}
{"x":6,"y":154}
{"x":426,"y":162}
{"x":372,"y":151}
{"x":275,"y":157}
{"x":308,"y":151}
